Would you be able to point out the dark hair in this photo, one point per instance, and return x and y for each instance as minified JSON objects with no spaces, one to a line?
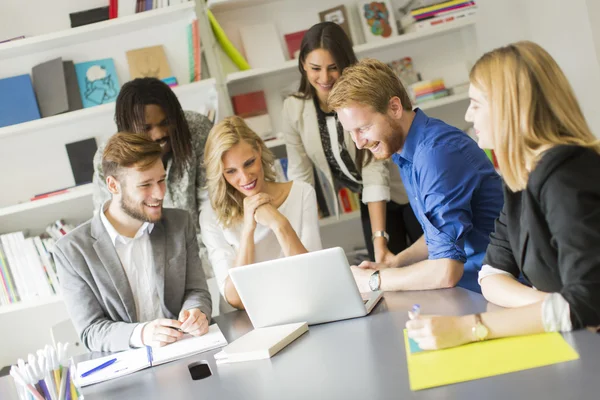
{"x":327,"y":36}
{"x":125,"y":150}
{"x":130,"y":115}
{"x":331,"y":37}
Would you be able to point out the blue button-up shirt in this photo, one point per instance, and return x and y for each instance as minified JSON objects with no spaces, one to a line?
{"x":454,"y":191}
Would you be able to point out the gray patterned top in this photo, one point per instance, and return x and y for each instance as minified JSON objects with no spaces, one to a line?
{"x":185,"y":191}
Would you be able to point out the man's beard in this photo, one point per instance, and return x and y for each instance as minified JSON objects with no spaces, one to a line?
{"x":136,"y":211}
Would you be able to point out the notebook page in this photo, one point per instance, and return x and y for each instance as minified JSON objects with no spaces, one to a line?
{"x":189,"y":345}
{"x":128,"y":362}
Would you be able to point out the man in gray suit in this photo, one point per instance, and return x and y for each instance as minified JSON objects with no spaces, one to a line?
{"x":131,"y":276}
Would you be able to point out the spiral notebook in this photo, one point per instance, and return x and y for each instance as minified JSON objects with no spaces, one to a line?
{"x":131,"y":361}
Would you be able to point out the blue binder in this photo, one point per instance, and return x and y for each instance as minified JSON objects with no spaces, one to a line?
{"x":17,"y":100}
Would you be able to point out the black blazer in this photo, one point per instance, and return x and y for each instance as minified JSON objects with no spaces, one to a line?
{"x":551,"y":231}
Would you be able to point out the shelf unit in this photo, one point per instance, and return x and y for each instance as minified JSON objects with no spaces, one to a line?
{"x":113,"y":27}
{"x":29,"y":304}
{"x":361,"y":50}
{"x":92,"y":112}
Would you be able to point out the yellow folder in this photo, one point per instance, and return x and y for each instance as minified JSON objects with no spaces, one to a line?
{"x":427,"y":369}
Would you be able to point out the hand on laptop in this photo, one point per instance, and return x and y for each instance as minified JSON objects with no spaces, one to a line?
{"x":161,"y":332}
{"x":375,"y":266}
{"x":193,"y":321}
{"x":361,"y":276}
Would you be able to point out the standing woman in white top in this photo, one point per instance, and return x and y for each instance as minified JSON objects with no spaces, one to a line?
{"x":314,"y":137}
{"x":252,"y":218}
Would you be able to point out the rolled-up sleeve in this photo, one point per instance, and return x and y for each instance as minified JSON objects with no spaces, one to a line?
{"x":570,"y":201}
{"x":446,"y":183}
{"x":376,"y":181}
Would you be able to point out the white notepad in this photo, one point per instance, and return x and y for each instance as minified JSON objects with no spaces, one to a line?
{"x":261,"y":343}
{"x":131,"y":361}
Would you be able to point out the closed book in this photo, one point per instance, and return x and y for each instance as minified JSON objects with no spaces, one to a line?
{"x":436,"y":6}
{"x":81,"y":156}
{"x":98,"y":82}
{"x":91,"y":16}
{"x":261,"y":343}
{"x":441,"y":20}
{"x":148,"y":62}
{"x":73,"y":95}
{"x":293,"y":42}
{"x":17,"y":101}
{"x":344,"y":197}
{"x":50,"y":87}
{"x":443,"y":11}
{"x":249,"y":104}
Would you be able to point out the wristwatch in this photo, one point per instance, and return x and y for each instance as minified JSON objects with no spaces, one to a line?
{"x":382,"y":234}
{"x":374,"y":281}
{"x":480,"y":331}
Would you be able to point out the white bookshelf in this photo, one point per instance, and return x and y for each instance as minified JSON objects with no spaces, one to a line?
{"x":328,"y":221}
{"x":444,"y":101}
{"x":104,"y":110}
{"x":361,"y":51}
{"x":30,"y":304}
{"x":227,"y":5}
{"x":76,"y":193}
{"x":106,"y":29}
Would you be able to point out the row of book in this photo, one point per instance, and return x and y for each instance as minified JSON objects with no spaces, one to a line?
{"x":57,"y":86}
{"x":27,"y":269}
{"x":437,"y":14}
{"x":118,"y":8}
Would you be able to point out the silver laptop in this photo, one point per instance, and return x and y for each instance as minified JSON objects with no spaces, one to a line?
{"x":314,"y":287}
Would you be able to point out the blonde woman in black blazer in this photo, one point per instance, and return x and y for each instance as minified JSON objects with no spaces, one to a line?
{"x":549,"y":229}
{"x":314,"y":138}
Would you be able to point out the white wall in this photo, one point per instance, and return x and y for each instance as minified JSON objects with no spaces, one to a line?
{"x":569,"y":31}
{"x":593,"y":7}
{"x":34,"y":17}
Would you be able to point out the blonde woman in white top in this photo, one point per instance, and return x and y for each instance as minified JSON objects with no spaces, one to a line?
{"x":251,"y":218}
{"x":314,"y":137}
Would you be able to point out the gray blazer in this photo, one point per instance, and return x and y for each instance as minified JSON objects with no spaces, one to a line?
{"x":97,"y":292}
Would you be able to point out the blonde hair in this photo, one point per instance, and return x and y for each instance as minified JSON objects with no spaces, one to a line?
{"x":369,"y":82}
{"x":532,"y":107}
{"x":125,"y":150}
{"x":227,"y":201}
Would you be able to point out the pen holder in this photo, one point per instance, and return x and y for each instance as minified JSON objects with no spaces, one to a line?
{"x":49,"y":376}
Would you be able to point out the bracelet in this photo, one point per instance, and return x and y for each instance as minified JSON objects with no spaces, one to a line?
{"x":382,"y":234}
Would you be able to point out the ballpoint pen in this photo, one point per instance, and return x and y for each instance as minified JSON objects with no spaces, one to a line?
{"x":415,"y":312}
{"x":99,"y":367}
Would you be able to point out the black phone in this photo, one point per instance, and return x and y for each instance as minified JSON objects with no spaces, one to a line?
{"x":199,"y":370}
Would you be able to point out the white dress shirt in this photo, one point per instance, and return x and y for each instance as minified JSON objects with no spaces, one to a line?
{"x":136,"y":258}
{"x":223,"y":244}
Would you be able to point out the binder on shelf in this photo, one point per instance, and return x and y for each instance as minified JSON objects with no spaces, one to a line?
{"x":81,"y":157}
{"x":17,"y":100}
{"x":73,"y":96}
{"x":50,"y":87}
{"x":90,"y":16}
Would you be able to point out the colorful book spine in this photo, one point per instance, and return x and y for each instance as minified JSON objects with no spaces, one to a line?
{"x":8,"y":278}
{"x":434,"y":7}
{"x":197,"y":55}
{"x":444,"y":10}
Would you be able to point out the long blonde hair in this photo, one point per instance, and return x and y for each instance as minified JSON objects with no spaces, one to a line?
{"x":532,"y":106}
{"x":228,"y":202}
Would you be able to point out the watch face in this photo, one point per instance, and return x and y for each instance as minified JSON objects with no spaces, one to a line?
{"x":481,"y":332}
{"x":374,"y":281}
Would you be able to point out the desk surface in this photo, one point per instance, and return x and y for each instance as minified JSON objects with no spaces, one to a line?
{"x":363,"y":358}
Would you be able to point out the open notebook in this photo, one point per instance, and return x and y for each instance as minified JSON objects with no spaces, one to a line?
{"x":128,"y":362}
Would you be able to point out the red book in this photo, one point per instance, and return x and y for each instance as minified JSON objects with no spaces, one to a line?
{"x":49,"y":194}
{"x":344,"y":196}
{"x":113,"y":9}
{"x":249,"y":104}
{"x":293,"y":41}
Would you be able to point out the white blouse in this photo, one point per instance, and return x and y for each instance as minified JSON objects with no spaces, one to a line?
{"x":222,"y":244}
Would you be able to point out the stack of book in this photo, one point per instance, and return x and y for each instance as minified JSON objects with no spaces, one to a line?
{"x":27,"y":269}
{"x":428,"y":90}
{"x":347,"y":201}
{"x":121,"y":8}
{"x":437,"y":14}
